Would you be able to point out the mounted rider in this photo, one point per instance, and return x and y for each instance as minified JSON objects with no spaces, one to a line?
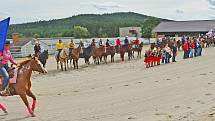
{"x":5,"y":57}
{"x":71,"y":46}
{"x":137,"y":43}
{"x":100,"y":43}
{"x":37,"y":48}
{"x":93,"y":43}
{"x":126,"y":42}
{"x":107,"y":43}
{"x":118,"y":42}
{"x":59,"y":46}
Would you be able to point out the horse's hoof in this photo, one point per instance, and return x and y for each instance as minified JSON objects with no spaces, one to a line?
{"x":33,"y":115}
{"x":5,"y":111}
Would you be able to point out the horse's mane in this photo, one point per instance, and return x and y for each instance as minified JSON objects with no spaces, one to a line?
{"x":24,"y":63}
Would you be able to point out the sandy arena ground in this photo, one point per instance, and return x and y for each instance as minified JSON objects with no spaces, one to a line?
{"x":182,"y":91}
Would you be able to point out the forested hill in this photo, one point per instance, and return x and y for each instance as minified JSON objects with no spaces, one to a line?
{"x":105,"y":25}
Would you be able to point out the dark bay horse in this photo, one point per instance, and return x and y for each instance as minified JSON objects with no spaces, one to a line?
{"x":75,"y":54}
{"x":98,"y":53}
{"x":63,"y":59}
{"x":43,"y":57}
{"x":86,"y":53}
{"x":109,"y":51}
{"x":137,"y":49}
{"x":23,"y":83}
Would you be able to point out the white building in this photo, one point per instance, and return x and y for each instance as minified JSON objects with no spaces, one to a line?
{"x":25,"y":47}
{"x":130,"y":31}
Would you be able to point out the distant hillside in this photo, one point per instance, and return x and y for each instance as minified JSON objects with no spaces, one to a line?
{"x":105,"y":25}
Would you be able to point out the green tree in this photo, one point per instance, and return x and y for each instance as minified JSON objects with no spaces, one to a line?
{"x":80,"y":32}
{"x":36,"y":36}
{"x":149,"y":24}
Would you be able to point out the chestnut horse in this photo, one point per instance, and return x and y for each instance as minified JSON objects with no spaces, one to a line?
{"x":62,"y":59}
{"x":123,"y":49}
{"x":109,"y":51}
{"x":75,"y":54}
{"x":137,"y":49}
{"x":97,"y":54}
{"x":23,"y":83}
{"x":179,"y":45}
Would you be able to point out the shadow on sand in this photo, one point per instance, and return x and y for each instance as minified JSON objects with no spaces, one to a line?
{"x":19,"y":119}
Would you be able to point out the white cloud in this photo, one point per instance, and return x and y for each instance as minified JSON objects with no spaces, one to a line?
{"x":179,"y":11}
{"x":104,"y":5}
{"x":212,"y":2}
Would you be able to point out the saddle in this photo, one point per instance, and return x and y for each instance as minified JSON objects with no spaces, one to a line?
{"x":11,"y":72}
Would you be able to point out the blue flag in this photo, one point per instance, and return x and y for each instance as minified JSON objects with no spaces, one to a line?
{"x":4,"y":25}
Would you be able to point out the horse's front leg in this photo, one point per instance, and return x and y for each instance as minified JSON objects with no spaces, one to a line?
{"x":61,"y":65}
{"x":3,"y":108}
{"x":25,"y":100}
{"x":77,"y":64}
{"x":65,"y":64}
{"x":140,"y":54}
{"x":71,"y":62}
{"x":98,"y":60}
{"x":129,"y":56}
{"x":57,"y":65}
{"x":30,"y":94}
{"x":74,"y":64}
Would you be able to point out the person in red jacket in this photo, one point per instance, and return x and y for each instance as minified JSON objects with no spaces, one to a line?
{"x":186,"y":50}
{"x":137,"y":42}
{"x":118,"y":42}
{"x":118,"y":45}
{"x":192,"y":48}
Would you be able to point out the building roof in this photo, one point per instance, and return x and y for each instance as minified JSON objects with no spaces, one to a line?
{"x":22,"y":42}
{"x":186,"y":26}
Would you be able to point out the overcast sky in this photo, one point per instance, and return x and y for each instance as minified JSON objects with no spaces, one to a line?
{"x":22,"y":11}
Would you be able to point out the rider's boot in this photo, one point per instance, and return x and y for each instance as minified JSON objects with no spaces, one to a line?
{"x":5,"y":91}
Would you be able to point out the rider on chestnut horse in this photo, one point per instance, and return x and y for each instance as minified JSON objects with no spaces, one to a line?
{"x":93,"y":44}
{"x":107,"y":43}
{"x":137,"y":43}
{"x":71,"y":46}
{"x":5,"y":56}
{"x":118,"y":45}
{"x":126,"y":42}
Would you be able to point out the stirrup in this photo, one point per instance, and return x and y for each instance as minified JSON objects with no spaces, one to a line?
{"x":5,"y":92}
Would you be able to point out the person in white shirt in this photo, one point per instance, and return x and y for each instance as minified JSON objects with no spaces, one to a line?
{"x":168,"y":53}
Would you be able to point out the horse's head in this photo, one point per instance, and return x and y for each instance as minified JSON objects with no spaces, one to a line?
{"x":46,"y":53}
{"x":141,"y":44}
{"x":81,"y":49}
{"x":36,"y":65}
{"x":64,"y":53}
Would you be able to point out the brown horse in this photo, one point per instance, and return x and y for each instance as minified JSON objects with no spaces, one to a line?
{"x":209,"y":42}
{"x":109,"y":51}
{"x":137,"y":49}
{"x":123,"y":49}
{"x":97,"y":54}
{"x":179,"y":45}
{"x":75,"y":54}
{"x":23,"y":83}
{"x":62,"y":59}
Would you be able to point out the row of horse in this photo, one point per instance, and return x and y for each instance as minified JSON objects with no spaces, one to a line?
{"x":98,"y":54}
